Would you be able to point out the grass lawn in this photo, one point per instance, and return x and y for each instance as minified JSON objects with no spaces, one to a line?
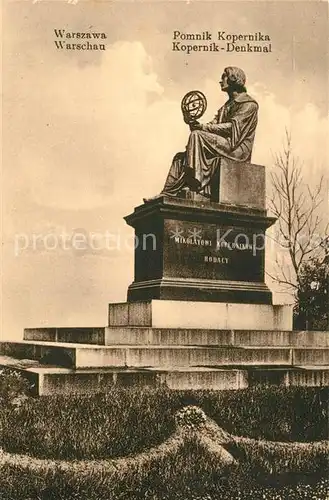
{"x":126,"y":445}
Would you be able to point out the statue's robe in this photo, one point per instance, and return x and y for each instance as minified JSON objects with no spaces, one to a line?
{"x":230,"y":135}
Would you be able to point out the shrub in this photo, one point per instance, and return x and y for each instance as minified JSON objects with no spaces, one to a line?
{"x":191,"y":417}
{"x":13,"y":387}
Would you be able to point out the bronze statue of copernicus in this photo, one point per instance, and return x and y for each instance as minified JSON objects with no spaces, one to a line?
{"x":230,"y":135}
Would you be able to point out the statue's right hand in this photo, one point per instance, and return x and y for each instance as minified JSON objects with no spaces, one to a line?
{"x":195,"y":126}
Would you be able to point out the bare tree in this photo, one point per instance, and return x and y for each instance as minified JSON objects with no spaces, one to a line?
{"x":300,"y":222}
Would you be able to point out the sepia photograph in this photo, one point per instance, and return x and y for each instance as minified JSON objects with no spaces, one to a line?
{"x":165,"y":250}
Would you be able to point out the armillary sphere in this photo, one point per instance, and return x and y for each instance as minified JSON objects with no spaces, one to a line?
{"x":194,"y":104}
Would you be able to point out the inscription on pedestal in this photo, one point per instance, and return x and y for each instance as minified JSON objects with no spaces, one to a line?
{"x":210,"y":251}
{"x":195,"y":251}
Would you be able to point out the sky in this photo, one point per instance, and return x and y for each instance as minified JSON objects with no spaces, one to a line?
{"x":87,"y":135}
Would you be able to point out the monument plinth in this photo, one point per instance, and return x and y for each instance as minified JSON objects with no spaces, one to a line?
{"x":201,"y":251}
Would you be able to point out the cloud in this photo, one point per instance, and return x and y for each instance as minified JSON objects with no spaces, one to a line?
{"x":108,"y":134}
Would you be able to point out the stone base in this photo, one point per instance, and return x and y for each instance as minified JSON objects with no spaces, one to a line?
{"x":146,"y":345}
{"x":189,"y":314}
{"x":200,"y":290}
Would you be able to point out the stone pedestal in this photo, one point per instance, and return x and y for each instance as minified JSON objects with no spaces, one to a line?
{"x":173,"y":314}
{"x":200,"y":251}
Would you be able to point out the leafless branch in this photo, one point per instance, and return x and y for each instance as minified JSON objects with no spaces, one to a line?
{"x":297,"y":207}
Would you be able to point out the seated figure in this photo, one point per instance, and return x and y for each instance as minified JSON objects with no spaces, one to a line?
{"x":230,"y":135}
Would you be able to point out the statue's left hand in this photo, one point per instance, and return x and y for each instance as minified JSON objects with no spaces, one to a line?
{"x":186,"y":117}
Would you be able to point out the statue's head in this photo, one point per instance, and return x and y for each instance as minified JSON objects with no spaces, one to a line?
{"x":233,"y":79}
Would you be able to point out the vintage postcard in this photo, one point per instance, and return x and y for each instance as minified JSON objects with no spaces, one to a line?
{"x":169,"y":158}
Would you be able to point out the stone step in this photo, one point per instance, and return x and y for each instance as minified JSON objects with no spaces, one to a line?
{"x":51,"y":380}
{"x":209,"y":315}
{"x":309,"y":338}
{"x":138,"y":356}
{"x":309,"y":376}
{"x":208,"y":337}
{"x":86,"y":356}
{"x":178,"y":336}
{"x":305,"y":376}
{"x":58,"y":380}
{"x":77,"y":335}
{"x":96,"y":356}
{"x":66,"y":355}
{"x":310,"y":356}
{"x":219,"y":379}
